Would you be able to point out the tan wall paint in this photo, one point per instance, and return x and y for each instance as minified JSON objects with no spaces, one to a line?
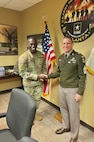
{"x":31,"y":22}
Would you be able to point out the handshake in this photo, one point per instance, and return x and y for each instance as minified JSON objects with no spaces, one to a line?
{"x":42,"y":77}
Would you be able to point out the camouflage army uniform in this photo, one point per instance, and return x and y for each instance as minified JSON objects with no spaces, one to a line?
{"x":30,"y":66}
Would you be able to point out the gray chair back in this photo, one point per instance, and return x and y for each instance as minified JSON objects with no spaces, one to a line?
{"x":20,"y":113}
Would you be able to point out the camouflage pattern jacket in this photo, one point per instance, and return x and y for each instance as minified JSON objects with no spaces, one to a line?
{"x":30,"y":66}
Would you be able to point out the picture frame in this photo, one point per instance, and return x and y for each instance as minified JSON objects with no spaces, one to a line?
{"x":8,"y":40}
{"x":39,"y":39}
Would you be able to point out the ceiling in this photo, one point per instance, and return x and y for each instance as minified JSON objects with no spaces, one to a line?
{"x":18,"y":5}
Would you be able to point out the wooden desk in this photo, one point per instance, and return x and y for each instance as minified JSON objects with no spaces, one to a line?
{"x":10,"y":81}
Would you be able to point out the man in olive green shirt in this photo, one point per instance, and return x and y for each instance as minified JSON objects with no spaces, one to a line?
{"x":32,"y":66}
{"x":72,"y":72}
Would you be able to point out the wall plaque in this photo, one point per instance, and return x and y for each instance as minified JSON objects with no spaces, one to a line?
{"x":77,"y":19}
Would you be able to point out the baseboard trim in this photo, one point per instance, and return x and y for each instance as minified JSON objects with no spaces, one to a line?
{"x":50,"y":103}
{"x":86,"y":125}
{"x":81,"y":122}
{"x":5,"y":91}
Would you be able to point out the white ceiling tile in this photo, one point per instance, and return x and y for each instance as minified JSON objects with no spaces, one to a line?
{"x":33,"y":1}
{"x":18,"y":5}
{"x":3,"y":2}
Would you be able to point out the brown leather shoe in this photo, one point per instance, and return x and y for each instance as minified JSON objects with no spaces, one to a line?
{"x":61,"y":131}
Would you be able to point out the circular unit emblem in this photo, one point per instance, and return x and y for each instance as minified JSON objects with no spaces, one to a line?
{"x":77,"y":19}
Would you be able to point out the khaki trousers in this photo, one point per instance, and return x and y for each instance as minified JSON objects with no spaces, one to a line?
{"x":70,"y":110}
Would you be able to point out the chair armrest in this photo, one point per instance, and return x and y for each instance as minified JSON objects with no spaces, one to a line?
{"x":2,"y":115}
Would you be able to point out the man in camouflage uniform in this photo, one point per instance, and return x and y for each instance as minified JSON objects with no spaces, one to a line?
{"x":32,"y":66}
{"x":72,"y":73}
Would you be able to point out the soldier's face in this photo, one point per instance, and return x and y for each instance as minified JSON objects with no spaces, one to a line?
{"x":67,"y":44}
{"x":32,"y":45}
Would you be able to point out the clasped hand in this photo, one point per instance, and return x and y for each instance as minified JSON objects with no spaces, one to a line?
{"x":42,"y":77}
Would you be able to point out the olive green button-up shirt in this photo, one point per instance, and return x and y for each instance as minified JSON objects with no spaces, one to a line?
{"x":72,"y":71}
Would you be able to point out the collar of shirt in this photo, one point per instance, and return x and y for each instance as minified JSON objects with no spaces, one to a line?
{"x":67,"y":54}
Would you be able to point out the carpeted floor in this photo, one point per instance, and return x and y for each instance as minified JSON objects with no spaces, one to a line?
{"x":44,"y":131}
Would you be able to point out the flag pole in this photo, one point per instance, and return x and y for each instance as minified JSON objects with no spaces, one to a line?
{"x":44,"y":19}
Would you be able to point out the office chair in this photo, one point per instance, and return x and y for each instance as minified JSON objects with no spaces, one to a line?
{"x":27,"y":139}
{"x":19,"y":117}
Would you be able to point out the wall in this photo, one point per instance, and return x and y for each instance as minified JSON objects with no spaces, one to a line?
{"x":30,"y":22}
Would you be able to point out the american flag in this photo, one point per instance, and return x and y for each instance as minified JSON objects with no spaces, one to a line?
{"x":49,"y":55}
